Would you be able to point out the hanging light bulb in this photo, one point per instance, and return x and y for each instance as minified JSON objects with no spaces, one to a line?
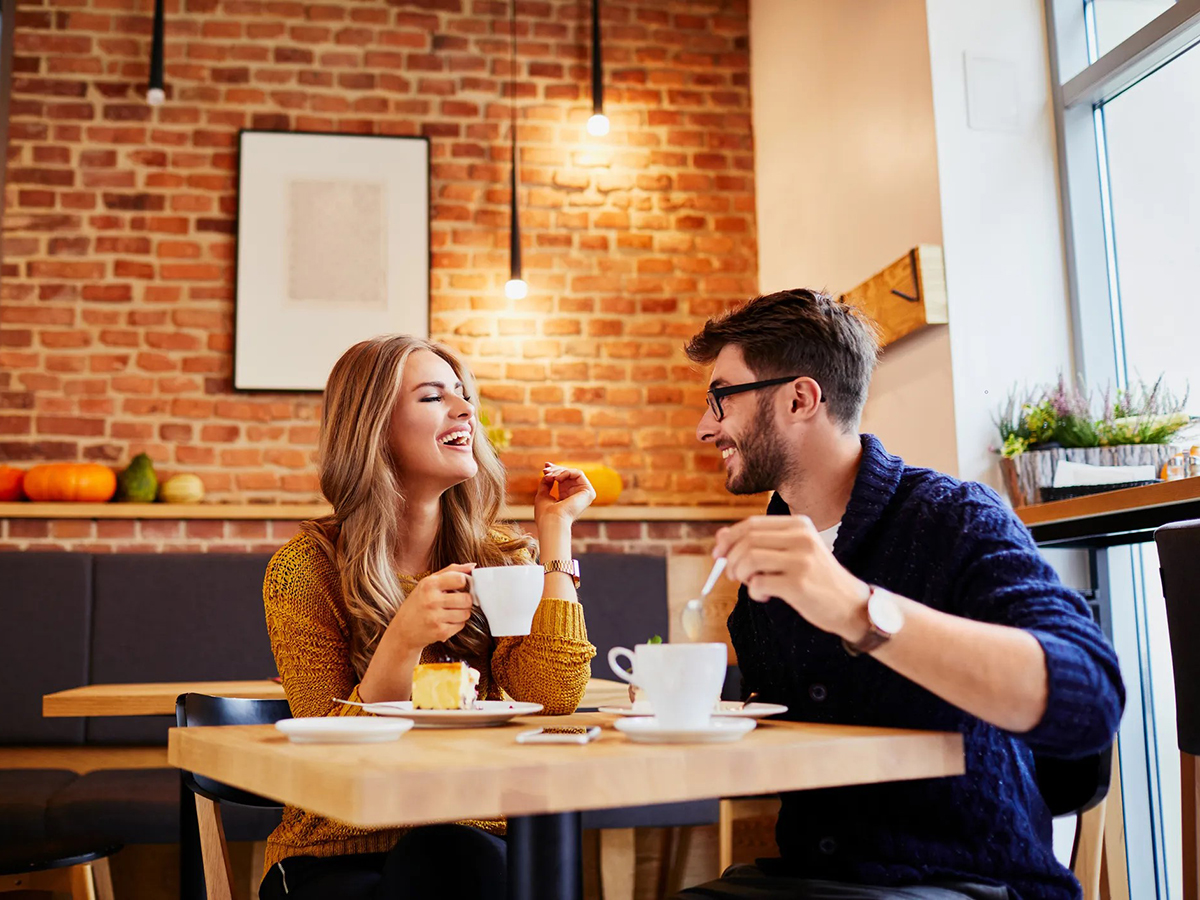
{"x":155,"y":89}
{"x":515,"y":288}
{"x":597,"y":125}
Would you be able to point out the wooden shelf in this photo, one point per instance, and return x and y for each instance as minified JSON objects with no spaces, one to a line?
{"x":1165,"y":493}
{"x":301,"y":511}
{"x":1112,"y":518}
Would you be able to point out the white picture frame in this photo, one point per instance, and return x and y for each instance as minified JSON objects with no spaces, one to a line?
{"x":332,"y":248}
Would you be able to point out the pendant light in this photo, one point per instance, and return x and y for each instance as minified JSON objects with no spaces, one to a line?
{"x":156,"y":89}
{"x":597,"y":125}
{"x":515,"y":288}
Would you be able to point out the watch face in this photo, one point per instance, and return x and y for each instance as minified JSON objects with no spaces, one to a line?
{"x":885,"y":612}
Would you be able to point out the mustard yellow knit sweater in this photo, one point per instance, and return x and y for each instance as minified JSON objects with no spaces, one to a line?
{"x":309,"y":626}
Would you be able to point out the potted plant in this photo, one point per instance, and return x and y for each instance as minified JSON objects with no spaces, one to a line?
{"x":1040,"y":428}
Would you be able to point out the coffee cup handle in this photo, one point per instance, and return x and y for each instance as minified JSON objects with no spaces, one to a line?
{"x":471,"y":589}
{"x":613,"y":655}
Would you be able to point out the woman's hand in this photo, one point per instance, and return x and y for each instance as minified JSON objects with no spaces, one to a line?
{"x":575,"y":494}
{"x":436,"y":610}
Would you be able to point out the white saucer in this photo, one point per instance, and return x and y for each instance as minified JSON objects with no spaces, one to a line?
{"x":486,"y":712}
{"x":725,"y":709}
{"x":343,"y":729}
{"x":646,"y":730}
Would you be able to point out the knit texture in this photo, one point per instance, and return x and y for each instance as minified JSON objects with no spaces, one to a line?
{"x":955,"y":547}
{"x":309,"y":626}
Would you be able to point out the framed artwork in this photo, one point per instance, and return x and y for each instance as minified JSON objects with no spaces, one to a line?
{"x":332,"y":248}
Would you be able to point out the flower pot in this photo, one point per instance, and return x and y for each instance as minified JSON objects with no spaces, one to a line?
{"x":1027,"y":473}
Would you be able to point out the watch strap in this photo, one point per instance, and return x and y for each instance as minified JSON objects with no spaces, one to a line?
{"x":874,"y":638}
{"x":566,"y":567}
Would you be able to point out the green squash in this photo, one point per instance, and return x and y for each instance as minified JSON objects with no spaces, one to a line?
{"x":138,"y":483}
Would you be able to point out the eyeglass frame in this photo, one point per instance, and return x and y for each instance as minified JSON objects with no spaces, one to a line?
{"x":717,"y":394}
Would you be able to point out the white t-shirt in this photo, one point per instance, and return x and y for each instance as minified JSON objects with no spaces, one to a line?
{"x":829,"y":535}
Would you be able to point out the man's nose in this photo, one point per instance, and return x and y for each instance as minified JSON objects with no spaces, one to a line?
{"x":706,"y":428}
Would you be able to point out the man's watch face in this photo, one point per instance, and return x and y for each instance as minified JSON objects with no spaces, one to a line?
{"x":885,"y":612}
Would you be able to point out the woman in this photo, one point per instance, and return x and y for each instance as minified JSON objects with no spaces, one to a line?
{"x":361,"y":596}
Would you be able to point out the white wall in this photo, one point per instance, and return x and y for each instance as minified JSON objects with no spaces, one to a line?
{"x":1002,"y":236}
{"x":863,"y":149}
{"x":847,"y":182}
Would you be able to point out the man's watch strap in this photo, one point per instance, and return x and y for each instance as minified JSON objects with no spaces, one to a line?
{"x":876,"y":635}
{"x":565,"y":566}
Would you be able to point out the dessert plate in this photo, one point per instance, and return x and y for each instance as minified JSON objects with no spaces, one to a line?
{"x":725,"y":709}
{"x":646,"y":730}
{"x":342,"y":730}
{"x":486,"y":712}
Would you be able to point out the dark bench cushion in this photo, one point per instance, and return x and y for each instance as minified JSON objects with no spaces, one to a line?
{"x":48,"y":605}
{"x":625,"y":602}
{"x":658,"y":815}
{"x":175,"y":617}
{"x":24,"y":794}
{"x":141,"y":806}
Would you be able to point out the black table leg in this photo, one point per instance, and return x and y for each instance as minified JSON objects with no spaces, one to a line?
{"x":545,"y":858}
{"x":191,"y":863}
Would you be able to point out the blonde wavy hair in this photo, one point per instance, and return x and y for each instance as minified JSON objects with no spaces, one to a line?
{"x":359,"y":478}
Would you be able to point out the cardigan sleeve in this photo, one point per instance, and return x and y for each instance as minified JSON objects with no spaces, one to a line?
{"x":1003,"y":578}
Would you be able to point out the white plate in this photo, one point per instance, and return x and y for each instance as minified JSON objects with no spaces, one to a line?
{"x":725,"y":709}
{"x":486,"y":712}
{"x":343,"y":729}
{"x":646,"y":730}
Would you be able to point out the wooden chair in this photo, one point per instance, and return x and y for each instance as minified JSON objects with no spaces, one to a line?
{"x":74,"y":867}
{"x":1179,"y":565}
{"x":192,"y":710}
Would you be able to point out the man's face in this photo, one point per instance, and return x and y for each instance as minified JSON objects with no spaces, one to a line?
{"x":748,"y":437}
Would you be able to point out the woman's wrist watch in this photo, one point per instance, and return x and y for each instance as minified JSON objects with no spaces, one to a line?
{"x":566,"y":566}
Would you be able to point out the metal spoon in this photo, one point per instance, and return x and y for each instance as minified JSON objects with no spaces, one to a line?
{"x":692,"y":616}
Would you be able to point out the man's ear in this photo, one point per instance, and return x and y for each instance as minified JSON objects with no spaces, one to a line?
{"x":805,"y":398}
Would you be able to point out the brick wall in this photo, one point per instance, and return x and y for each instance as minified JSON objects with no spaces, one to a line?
{"x":116,"y":294}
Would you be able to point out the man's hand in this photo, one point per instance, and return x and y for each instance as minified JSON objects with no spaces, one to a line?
{"x":784,"y":557}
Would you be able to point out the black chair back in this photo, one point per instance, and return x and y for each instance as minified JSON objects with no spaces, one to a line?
{"x":1179,"y":566}
{"x":193,"y":710}
{"x":1073,"y":785}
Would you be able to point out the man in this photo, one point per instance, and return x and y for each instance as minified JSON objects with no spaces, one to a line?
{"x":875,"y":593}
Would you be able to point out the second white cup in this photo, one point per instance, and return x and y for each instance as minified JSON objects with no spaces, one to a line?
{"x":682,"y":681}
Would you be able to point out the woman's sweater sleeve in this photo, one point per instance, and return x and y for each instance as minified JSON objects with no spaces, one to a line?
{"x":550,"y":665}
{"x":309,"y":636}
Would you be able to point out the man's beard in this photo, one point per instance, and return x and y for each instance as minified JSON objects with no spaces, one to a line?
{"x":762,"y":459}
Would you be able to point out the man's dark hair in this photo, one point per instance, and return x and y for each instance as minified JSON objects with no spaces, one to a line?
{"x":799,"y":332}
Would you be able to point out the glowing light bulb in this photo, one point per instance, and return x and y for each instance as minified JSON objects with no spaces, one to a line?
{"x":516,"y":289}
{"x":597,"y":125}
{"x":156,"y":96}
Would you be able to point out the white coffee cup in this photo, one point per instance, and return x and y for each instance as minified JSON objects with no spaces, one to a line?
{"x":508,"y":596}
{"x":681,"y":681}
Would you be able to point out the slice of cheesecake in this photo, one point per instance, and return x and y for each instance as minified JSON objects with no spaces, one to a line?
{"x":444,"y":686}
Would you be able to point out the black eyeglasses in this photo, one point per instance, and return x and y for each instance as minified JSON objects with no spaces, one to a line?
{"x":717,"y":394}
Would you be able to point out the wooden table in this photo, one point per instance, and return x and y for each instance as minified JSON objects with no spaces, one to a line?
{"x":433,"y":775}
{"x":158,"y":698}
{"x":1112,"y":518}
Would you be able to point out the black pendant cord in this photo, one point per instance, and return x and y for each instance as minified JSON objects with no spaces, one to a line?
{"x":156,"y":81}
{"x":514,"y":251}
{"x":597,"y":63}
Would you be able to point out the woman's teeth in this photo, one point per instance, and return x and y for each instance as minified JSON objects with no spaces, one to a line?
{"x":457,"y":438}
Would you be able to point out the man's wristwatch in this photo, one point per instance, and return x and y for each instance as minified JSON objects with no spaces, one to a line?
{"x":884,"y":619}
{"x":566,"y":566}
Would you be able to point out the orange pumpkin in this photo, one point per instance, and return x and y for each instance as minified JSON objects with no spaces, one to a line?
{"x":83,"y":482}
{"x":10,"y":483}
{"x":604,"y":479}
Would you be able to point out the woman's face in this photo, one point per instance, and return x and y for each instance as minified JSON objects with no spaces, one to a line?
{"x":432,"y":432}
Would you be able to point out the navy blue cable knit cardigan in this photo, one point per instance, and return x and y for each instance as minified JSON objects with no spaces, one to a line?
{"x":953,"y":546}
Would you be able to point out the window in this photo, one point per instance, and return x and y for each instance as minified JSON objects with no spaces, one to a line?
{"x":1127,"y":84}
